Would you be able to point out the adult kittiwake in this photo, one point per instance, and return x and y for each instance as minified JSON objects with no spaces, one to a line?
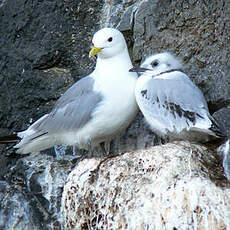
{"x":95,"y":108}
{"x":174,"y":106}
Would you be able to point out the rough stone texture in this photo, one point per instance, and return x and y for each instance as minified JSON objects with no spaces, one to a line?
{"x":30,"y":196}
{"x":173,"y":186}
{"x":44,"y":49}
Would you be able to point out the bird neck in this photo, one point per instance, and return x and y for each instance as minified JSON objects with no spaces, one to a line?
{"x":120,"y":62}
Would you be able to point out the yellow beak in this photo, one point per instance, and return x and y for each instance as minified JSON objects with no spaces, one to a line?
{"x":94,"y":51}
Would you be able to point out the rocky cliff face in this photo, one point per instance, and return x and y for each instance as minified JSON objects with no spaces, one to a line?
{"x":44,"y":49}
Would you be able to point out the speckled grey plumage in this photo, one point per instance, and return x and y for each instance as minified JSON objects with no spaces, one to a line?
{"x":171,"y":103}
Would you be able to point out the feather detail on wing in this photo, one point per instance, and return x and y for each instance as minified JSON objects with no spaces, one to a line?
{"x":171,"y":103}
{"x":71,"y":112}
{"x":74,"y":108}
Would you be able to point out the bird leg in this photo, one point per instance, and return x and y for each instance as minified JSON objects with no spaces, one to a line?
{"x":106,"y":148}
{"x":60,"y":151}
{"x":90,"y":149}
{"x":76,"y":152}
{"x":103,"y":148}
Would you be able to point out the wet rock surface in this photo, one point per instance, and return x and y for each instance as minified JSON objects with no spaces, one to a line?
{"x":44,"y":49}
{"x":30,"y":193}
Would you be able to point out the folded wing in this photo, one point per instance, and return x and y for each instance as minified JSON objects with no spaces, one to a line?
{"x":71,"y":112}
{"x":171,"y":103}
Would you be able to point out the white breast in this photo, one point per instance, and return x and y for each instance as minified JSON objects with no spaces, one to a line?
{"x":117,"y":109}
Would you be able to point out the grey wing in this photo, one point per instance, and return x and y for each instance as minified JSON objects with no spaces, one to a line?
{"x":173,"y":103}
{"x":73,"y":109}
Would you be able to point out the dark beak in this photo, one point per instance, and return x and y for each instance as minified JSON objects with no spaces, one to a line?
{"x":138,"y":69}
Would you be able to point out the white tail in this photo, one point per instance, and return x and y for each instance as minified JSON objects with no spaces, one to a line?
{"x":35,"y":145}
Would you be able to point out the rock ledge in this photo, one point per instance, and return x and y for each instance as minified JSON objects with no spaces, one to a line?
{"x":173,"y":186}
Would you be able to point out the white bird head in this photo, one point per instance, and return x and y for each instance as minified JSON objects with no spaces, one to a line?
{"x":158,"y":63}
{"x":108,"y":42}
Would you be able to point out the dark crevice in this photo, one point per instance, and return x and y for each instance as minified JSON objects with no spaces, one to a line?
{"x":217,"y":105}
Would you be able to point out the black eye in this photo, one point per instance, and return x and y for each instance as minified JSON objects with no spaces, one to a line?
{"x":110,"y":39}
{"x":155,"y":63}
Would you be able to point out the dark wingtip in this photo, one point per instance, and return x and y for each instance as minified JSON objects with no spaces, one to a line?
{"x":9,"y":139}
{"x":132,"y":70}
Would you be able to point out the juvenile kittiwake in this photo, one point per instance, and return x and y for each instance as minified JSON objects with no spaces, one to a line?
{"x":95,"y":108}
{"x":173,"y":105}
